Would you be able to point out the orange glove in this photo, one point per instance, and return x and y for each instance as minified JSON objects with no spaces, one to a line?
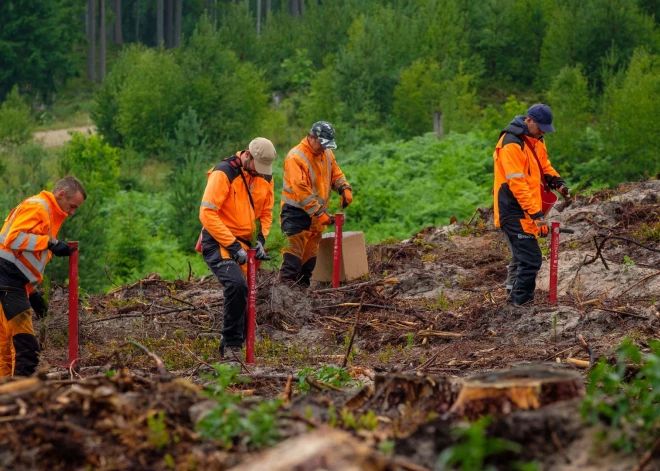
{"x":346,"y":197}
{"x":541,"y":223}
{"x":326,"y":220}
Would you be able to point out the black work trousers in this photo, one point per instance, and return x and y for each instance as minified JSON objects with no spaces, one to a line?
{"x":526,"y":252}
{"x":231,"y":277}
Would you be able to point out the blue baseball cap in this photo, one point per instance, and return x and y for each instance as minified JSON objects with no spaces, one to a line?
{"x":542,"y":116}
{"x":325,"y":133}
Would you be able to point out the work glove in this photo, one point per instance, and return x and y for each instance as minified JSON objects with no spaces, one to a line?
{"x":326,"y":220}
{"x":237,"y":252}
{"x":346,"y":197}
{"x":541,"y":223}
{"x":565,"y":191}
{"x":59,"y":248}
{"x":39,"y":305}
{"x":261,"y":252}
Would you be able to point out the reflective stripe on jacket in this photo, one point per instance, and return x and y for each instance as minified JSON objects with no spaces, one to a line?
{"x":518,"y":179}
{"x":26,"y":232}
{"x":308,"y":180}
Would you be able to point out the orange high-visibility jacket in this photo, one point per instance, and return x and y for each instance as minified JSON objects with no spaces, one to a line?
{"x":262,"y":189}
{"x":26,"y":232}
{"x":226,"y":212}
{"x":518,"y":179}
{"x":308,"y":180}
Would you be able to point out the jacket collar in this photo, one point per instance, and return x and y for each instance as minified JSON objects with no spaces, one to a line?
{"x":56,"y":213}
{"x":307,"y":149}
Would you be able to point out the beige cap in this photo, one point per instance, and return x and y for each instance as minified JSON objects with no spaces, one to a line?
{"x":264,"y":154}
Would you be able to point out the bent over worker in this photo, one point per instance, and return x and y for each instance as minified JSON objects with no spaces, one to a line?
{"x":28,"y":237}
{"x":310,"y":173}
{"x":239,"y":191}
{"x":522,"y":172}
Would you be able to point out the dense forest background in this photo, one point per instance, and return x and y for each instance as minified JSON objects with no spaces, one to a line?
{"x":174,"y":86}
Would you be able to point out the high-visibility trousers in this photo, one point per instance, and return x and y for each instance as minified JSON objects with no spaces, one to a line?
{"x":19,"y":348}
{"x":299,"y":258}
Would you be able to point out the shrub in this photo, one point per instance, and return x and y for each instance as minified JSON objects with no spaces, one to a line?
{"x":16,"y":124}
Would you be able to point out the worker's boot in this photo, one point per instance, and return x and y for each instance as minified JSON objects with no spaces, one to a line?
{"x":227,"y":351}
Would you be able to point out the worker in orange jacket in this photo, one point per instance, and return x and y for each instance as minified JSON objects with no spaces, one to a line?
{"x":522,"y":170}
{"x":28,"y":237}
{"x":310,"y":173}
{"x":239,"y":191}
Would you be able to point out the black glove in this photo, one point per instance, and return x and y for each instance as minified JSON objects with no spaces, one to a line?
{"x":39,"y":305}
{"x":565,"y":191}
{"x":237,"y":252}
{"x":60,"y":248}
{"x":261,"y":252}
{"x":541,"y":223}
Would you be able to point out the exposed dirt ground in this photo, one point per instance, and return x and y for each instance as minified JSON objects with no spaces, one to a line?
{"x":59,"y":137}
{"x":433,"y":307}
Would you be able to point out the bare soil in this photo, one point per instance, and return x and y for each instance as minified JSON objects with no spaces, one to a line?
{"x":433,"y":308}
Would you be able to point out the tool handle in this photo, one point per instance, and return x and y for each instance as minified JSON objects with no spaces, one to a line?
{"x":567,"y":231}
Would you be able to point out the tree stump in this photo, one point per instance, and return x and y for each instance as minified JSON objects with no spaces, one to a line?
{"x":501,"y":392}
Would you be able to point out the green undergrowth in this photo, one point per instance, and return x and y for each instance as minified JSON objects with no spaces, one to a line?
{"x":474,"y":447}
{"x":327,"y":374}
{"x":271,"y":353}
{"x":232,"y":423}
{"x":177,"y":352}
{"x":625,"y":397}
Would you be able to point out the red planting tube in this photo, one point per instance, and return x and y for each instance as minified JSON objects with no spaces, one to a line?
{"x":252,"y":306}
{"x":336,"y":260}
{"x":73,"y":305}
{"x":554,"y":261}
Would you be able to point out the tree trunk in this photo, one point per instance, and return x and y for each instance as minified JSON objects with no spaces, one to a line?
{"x":102,"y":42}
{"x":137,"y":21}
{"x":293,"y":8}
{"x":91,"y":39}
{"x":301,"y":7}
{"x":258,"y":17}
{"x":159,"y":23}
{"x":268,"y":8}
{"x":178,"y":16}
{"x":119,"y":37}
{"x":169,"y":29}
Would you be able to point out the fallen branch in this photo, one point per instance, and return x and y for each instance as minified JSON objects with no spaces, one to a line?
{"x":345,"y":288}
{"x":640,"y":282}
{"x":437,"y":333}
{"x":588,"y":349}
{"x":162,"y":370}
{"x":350,"y":343}
{"x":623,"y":313}
{"x":578,"y":363}
{"x":377,"y":306}
{"x":647,"y":456}
{"x":560,"y":448}
{"x":238,"y":359}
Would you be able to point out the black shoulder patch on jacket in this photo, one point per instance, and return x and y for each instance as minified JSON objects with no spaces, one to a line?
{"x":510,"y":138}
{"x":268,"y":178}
{"x":232,"y":171}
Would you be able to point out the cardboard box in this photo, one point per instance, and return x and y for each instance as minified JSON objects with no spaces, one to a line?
{"x":354,"y":262}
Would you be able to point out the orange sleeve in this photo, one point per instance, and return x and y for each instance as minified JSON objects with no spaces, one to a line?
{"x":217,"y":189}
{"x":545,"y":162}
{"x":338,"y":179}
{"x":296,"y":177}
{"x":512,"y":159}
{"x":266,"y":216}
{"x":29,"y":229}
